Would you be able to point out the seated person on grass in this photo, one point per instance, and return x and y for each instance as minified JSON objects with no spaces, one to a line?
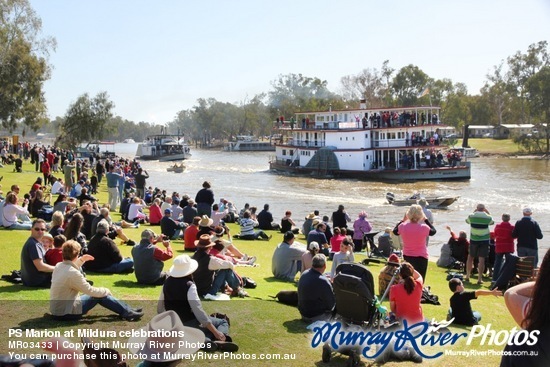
{"x":54,"y":254}
{"x":171,"y":228}
{"x":107,"y":256}
{"x":67,"y":284}
{"x":461,"y":309}
{"x":316,"y":299}
{"x":34,"y":270}
{"x":287,"y":258}
{"x":247,"y":229}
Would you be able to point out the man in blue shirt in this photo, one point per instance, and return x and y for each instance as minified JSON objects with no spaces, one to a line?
{"x":527,"y":231}
{"x":316,"y":299}
{"x":113,"y":178}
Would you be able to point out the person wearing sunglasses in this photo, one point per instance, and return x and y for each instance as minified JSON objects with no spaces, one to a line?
{"x":35,"y":272}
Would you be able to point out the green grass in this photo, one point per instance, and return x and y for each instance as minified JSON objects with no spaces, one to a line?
{"x":259,"y":324}
{"x":493,"y":146}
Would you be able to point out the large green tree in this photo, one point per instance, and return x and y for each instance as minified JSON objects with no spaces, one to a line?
{"x":86,"y":120}
{"x":23,"y":65}
{"x":293,"y":93}
{"x":408,"y":85}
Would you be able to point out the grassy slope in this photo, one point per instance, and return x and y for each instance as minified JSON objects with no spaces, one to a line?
{"x":493,"y":146}
{"x":259,"y":324}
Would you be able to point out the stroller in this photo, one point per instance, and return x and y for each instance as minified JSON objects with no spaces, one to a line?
{"x":370,"y":247}
{"x":356,"y":306}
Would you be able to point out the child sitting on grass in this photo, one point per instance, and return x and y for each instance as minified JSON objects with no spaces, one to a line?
{"x":344,"y":256}
{"x":461,"y":309}
{"x":54,"y":255}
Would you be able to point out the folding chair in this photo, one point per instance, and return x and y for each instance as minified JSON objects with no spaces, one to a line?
{"x":525,"y":271}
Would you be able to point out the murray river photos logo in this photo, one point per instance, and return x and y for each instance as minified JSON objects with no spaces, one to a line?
{"x":423,"y":334}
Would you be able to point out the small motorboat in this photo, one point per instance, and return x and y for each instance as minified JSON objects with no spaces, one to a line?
{"x":433,"y":201}
{"x":176,"y":168}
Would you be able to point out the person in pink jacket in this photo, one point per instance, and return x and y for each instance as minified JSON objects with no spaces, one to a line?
{"x":413,"y":229}
{"x":504,"y":244}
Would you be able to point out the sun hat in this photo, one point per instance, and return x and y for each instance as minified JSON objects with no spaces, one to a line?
{"x":219,"y":231}
{"x":314,"y":245}
{"x":316,"y":222}
{"x":311,"y":216}
{"x":205,"y":221}
{"x":183,"y":266}
{"x":528,"y":211}
{"x":165,"y":339}
{"x":204,"y":241}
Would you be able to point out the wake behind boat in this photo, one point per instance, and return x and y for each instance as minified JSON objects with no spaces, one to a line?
{"x":163,"y":147}
{"x":176,"y":168}
{"x":433,"y":201}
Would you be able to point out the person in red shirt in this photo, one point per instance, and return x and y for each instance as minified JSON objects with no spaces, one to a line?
{"x":155,"y":214}
{"x":54,"y":255}
{"x":46,"y":171}
{"x":190,"y":235}
{"x":405,"y":297}
{"x":504,"y":244}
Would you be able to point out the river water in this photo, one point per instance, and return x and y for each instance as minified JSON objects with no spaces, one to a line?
{"x":504,"y":185}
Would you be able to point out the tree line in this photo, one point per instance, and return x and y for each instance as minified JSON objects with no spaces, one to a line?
{"x":515,"y":91}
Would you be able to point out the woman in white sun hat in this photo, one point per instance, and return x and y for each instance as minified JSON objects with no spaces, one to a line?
{"x":179,"y":294}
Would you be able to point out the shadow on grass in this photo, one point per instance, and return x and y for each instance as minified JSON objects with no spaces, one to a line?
{"x":296,"y":326}
{"x":16,"y":288}
{"x":47,"y":321}
{"x":276,"y":280}
{"x":132,"y":284}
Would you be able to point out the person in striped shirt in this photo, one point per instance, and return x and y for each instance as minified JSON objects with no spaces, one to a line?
{"x":480,"y":235}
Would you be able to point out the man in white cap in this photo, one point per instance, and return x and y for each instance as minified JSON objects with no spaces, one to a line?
{"x":180,"y":295}
{"x":149,"y":259}
{"x":527,"y":232}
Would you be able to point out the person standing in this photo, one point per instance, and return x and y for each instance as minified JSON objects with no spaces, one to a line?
{"x":480,"y":235}
{"x":112,"y":185}
{"x":361,"y":227}
{"x":68,"y":175}
{"x":413,"y":229}
{"x":140,"y":179}
{"x":340,"y":218}
{"x":504,"y":244}
{"x":205,"y":200}
{"x":527,"y":231}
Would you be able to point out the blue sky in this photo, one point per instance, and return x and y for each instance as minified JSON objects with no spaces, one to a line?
{"x":156,"y":58}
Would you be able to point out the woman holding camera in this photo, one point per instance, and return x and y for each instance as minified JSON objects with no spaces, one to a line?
{"x":413,"y":229}
{"x":405,"y":297}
